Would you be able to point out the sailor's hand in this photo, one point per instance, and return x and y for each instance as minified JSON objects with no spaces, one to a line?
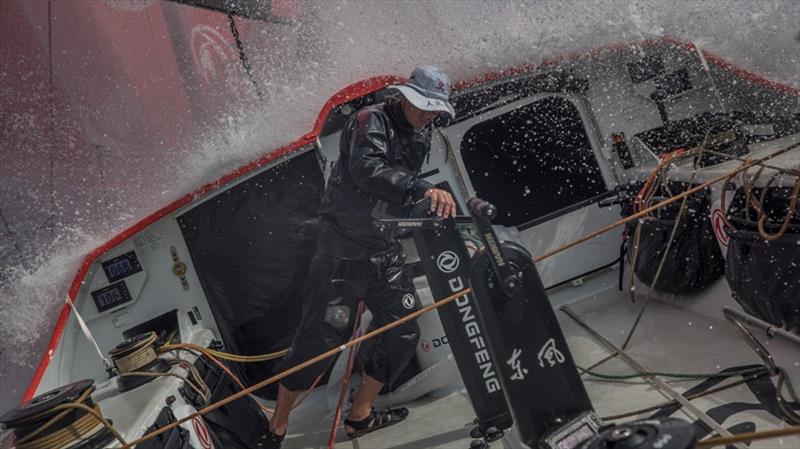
{"x":442,"y":203}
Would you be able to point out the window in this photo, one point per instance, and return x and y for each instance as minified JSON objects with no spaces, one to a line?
{"x":532,"y":161}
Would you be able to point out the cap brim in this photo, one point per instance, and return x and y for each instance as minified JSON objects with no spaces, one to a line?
{"x":426,"y":104}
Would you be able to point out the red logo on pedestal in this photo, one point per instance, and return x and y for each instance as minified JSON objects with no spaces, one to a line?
{"x":201,"y":431}
{"x":718,"y":224}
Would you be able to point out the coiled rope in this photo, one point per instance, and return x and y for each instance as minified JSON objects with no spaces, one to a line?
{"x":83,"y":428}
{"x":758,"y":204}
{"x":130,"y":359}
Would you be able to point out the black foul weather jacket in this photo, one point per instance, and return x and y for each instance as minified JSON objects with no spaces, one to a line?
{"x":379,"y":161}
{"x":380,"y":157}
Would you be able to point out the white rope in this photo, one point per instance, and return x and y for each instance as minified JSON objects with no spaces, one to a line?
{"x":88,"y":334}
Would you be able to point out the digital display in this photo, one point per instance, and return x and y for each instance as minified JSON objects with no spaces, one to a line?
{"x":111,"y":296}
{"x":581,"y":434}
{"x":122,"y":266}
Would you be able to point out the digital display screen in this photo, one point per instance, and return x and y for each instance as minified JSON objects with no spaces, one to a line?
{"x":111,"y":296}
{"x":581,"y":434}
{"x":122,"y":266}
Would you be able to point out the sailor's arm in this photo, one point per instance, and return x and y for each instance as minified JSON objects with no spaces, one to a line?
{"x":370,"y":169}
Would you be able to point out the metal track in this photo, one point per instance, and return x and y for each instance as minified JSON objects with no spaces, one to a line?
{"x":654,"y":380}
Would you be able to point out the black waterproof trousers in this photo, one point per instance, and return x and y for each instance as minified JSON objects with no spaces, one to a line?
{"x":334,"y":287}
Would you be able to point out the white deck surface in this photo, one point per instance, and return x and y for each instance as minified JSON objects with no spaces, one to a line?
{"x":670,"y":338}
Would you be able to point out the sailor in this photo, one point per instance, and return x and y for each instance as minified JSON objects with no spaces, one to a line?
{"x":382,"y":149}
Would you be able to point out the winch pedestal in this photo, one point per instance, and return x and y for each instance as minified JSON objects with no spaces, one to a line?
{"x":509,"y":347}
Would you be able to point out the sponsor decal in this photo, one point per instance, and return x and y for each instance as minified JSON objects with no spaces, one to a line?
{"x":718,"y":224}
{"x":494,"y":249}
{"x":481,"y":354}
{"x":212,"y":52}
{"x":408,"y":301}
{"x":425,"y":345}
{"x":516,"y":365}
{"x":441,"y":341}
{"x":201,"y":431}
{"x":410,"y":224}
{"x":550,"y":354}
{"x":448,"y":262}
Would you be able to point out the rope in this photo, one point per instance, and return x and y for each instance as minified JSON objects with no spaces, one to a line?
{"x":661,"y":263}
{"x":198,"y":380}
{"x":203,"y":352}
{"x":346,"y":381}
{"x":758,"y":204}
{"x":747,"y":437}
{"x":790,"y":211}
{"x":299,"y":367}
{"x":688,"y":397}
{"x":790,"y":415}
{"x":27,"y":442}
{"x":785,"y":171}
{"x":85,"y":395}
{"x":748,"y":194}
{"x":646,"y":211}
{"x":724,"y":375}
{"x":226,"y":355}
{"x":88,"y":334}
{"x":82,"y":428}
{"x":136,"y":360}
{"x":637,"y":238}
{"x":186,"y":381}
{"x":599,"y":362}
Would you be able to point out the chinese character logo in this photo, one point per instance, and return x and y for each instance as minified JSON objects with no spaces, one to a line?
{"x":516,"y":365}
{"x":550,"y":354}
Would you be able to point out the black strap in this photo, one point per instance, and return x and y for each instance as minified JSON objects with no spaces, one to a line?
{"x":243,"y":57}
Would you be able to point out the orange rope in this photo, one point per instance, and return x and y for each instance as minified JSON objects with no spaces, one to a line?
{"x":202,"y":351}
{"x":666,"y":202}
{"x":666,"y":159}
{"x":346,"y":381}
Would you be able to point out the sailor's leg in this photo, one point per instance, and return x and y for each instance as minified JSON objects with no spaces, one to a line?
{"x":362,"y":418}
{"x":367,"y":392}
{"x":387,"y":355}
{"x":283,"y":406}
{"x":327,"y":323}
{"x":384,"y":357}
